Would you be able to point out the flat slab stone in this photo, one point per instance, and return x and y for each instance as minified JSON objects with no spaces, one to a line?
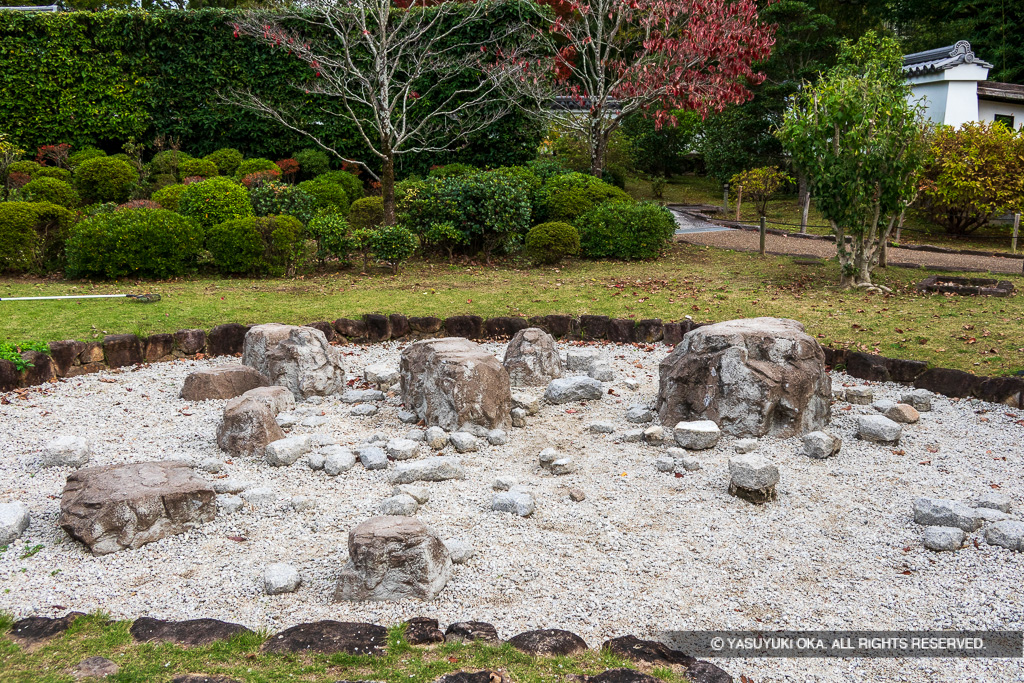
{"x":32,"y":631}
{"x":221,"y":382}
{"x":423,"y":631}
{"x":437,"y":468}
{"x":1007,"y":534}
{"x":942,"y":512}
{"x":190,"y":633}
{"x":570,"y":389}
{"x":550,"y":642}
{"x":942,"y":538}
{"x":328,"y":637}
{"x":470,"y":631}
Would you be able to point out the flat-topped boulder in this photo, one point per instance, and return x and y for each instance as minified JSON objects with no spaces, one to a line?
{"x":306,"y":364}
{"x":190,"y":633}
{"x":752,"y":377}
{"x":452,"y":382}
{"x":221,"y":382}
{"x":328,"y":637}
{"x":113,"y":507}
{"x":532,"y":359}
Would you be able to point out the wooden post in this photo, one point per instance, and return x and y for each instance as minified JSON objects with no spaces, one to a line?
{"x":883,"y":254}
{"x":899,"y":225}
{"x":1016,"y":229}
{"x":739,"y":200}
{"x":725,"y":197}
{"x":764,"y":228}
{"x":803,"y":214}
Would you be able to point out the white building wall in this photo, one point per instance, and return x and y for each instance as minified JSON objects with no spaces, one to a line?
{"x":987,"y":111}
{"x":961,"y":103}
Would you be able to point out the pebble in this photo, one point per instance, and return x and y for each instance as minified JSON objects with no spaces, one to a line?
{"x":464,"y":442}
{"x":631,"y":384}
{"x":577,"y":495}
{"x":579,"y":360}
{"x":994,"y":501}
{"x":260,"y":496}
{"x":362,"y":395}
{"x":14,"y":519}
{"x":601,"y":371}
{"x":503,"y":483}
{"x":921,"y":399}
{"x":878,"y":429}
{"x":518,"y":417}
{"x":418,"y":435}
{"x":436,"y":438}
{"x":372,"y":457}
{"x":572,"y":389}
{"x":287,"y":419}
{"x":301,"y":503}
{"x":211,"y":465}
{"x":230,"y":485}
{"x":697,"y":435}
{"x":941,"y":538}
{"x":744,"y":445}
{"x":229,"y":503}
{"x":460,"y":551}
{"x":752,"y":472}
{"x":403,"y":449}
{"x":601,"y":428}
{"x":517,"y":502}
{"x":883,"y":405}
{"x":1008,"y":534}
{"x":287,"y":450}
{"x":860,"y":396}
{"x":381,"y":375}
{"x":401,"y":505}
{"x":337,"y":460}
{"x":639,"y":414}
{"x":942,"y":512}
{"x":421,"y":494}
{"x":315,"y":421}
{"x":437,"y":468}
{"x":632,"y":436}
{"x":280,"y":578}
{"x":364,"y":410}
{"x":903,"y":414}
{"x":821,"y":445}
{"x":665,"y":463}
{"x":408,"y":417}
{"x":67,"y":451}
{"x":497,"y":437}
{"x":529,"y":403}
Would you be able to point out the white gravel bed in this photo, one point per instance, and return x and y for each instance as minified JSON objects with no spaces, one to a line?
{"x":645,"y":552}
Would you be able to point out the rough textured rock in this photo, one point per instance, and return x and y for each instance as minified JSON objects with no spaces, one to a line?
{"x":361,"y":395}
{"x":381,"y":375}
{"x":113,"y":507}
{"x":425,"y":324}
{"x":942,"y":512}
{"x":403,"y":449}
{"x":120,"y":350}
{"x":95,"y":667}
{"x":421,"y":494}
{"x":287,"y":450}
{"x":467,"y":326}
{"x":903,"y":414}
{"x":423,"y":631}
{"x":226,"y":340}
{"x":67,"y":451}
{"x":994,"y":501}
{"x":278,"y":399}
{"x":698,"y":435}
{"x":32,"y":631}
{"x":878,"y":429}
{"x":337,"y":460}
{"x":518,"y":416}
{"x":460,"y":551}
{"x":752,"y":377}
{"x":821,"y":445}
{"x":14,"y":519}
{"x":190,"y":633}
{"x":189,"y":342}
{"x":223,"y":382}
{"x":515,"y":501}
{"x":531,"y":358}
{"x":571,"y":389}
{"x":550,"y":642}
{"x":281,"y":578}
{"x":941,"y":538}
{"x":259,"y":340}
{"x":860,"y":396}
{"x":306,"y":364}
{"x":328,"y":637}
{"x":436,"y":438}
{"x":372,"y":457}
{"x":464,"y":442}
{"x":451,"y":382}
{"x":639,"y":414}
{"x":580,"y":359}
{"x":437,"y":468}
{"x":921,"y":399}
{"x":392,"y":558}
{"x":400,"y":505}
{"x":744,"y":445}
{"x":247,"y":427}
{"x":470,"y":631}
{"x":1007,"y":534}
{"x":753,"y":477}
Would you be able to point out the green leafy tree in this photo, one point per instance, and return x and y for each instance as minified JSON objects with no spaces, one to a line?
{"x":760,"y":185}
{"x":862,"y":146}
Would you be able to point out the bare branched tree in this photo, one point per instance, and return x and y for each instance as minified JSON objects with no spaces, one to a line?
{"x":389,"y":70}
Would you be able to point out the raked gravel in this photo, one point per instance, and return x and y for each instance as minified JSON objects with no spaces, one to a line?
{"x":645,"y":552}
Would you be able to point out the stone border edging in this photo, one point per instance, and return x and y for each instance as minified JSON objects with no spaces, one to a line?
{"x":74,"y":358}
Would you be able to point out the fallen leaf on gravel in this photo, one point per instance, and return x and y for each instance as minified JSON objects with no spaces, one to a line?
{"x":108,"y":380}
{"x":612,"y":392}
{"x":906,"y":572}
{"x":679,"y":475}
{"x":994,"y":486}
{"x":898,"y":451}
{"x":932,"y":449}
{"x":906,"y":548}
{"x":238,"y":539}
{"x":925,"y":462}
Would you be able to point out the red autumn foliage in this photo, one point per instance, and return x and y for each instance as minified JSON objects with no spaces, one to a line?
{"x":58,"y":154}
{"x":260,"y":177}
{"x":289,"y":167}
{"x":138,"y":204}
{"x":16,"y":181}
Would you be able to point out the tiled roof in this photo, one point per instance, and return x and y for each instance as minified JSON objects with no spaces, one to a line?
{"x":1001,"y":92}
{"x":940,"y":59}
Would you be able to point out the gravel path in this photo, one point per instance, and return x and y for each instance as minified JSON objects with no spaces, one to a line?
{"x":645,"y":552}
{"x":746,"y":240}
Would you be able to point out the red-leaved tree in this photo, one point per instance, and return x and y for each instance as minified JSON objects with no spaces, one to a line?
{"x":616,"y":57}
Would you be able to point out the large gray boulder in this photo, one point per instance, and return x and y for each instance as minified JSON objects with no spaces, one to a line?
{"x":306,"y":364}
{"x":532,"y":359}
{"x":452,"y":382}
{"x":393,"y":558}
{"x":943,"y":512}
{"x":114,"y":507}
{"x":247,"y":427}
{"x":222,"y":381}
{"x":751,"y":377}
{"x":259,"y":340}
{"x":1007,"y":534}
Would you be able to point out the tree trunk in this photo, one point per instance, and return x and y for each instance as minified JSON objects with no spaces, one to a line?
{"x":598,"y":146}
{"x":387,"y":187}
{"x":804,"y":193}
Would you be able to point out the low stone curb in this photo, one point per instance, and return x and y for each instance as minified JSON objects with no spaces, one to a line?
{"x":74,"y":358}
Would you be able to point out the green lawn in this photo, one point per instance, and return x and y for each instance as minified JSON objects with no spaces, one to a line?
{"x":240,"y":658}
{"x":977,"y":334}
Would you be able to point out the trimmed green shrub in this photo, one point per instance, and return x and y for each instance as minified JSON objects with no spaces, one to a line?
{"x":32,"y":236}
{"x":352,"y":184}
{"x":393,"y":244}
{"x":366,"y":213}
{"x":328,"y":197}
{"x":312,"y":162}
{"x":197,"y":167}
{"x":254,"y":246}
{"x":248,"y":166}
{"x":61,"y":174}
{"x":547,"y":168}
{"x":102,"y":179}
{"x":167,"y":162}
{"x":274,"y":199}
{"x":43,"y":189}
{"x":213,"y":201}
{"x":331,"y":232}
{"x":134,"y":242}
{"x":84,"y":154}
{"x":549,"y":243}
{"x":569,"y":196}
{"x":625,"y":231}
{"x":159,"y":182}
{"x":450,"y":170}
{"x":26,"y":166}
{"x":168,"y":196}
{"x":226,"y":160}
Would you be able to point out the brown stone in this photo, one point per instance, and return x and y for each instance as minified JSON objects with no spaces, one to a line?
{"x":621,"y":330}
{"x":672,"y":333}
{"x":113,"y":507}
{"x":450,"y":382}
{"x":378,"y":327}
{"x":423,"y":631}
{"x":557,"y":326}
{"x":593,"y":327}
{"x":40,"y":368}
{"x":329,"y":637}
{"x":327,"y":328}
{"x":189,"y":342}
{"x":92,"y":353}
{"x":65,"y":354}
{"x":551,"y":642}
{"x":10,"y":377}
{"x":158,"y":346}
{"x":751,"y":377}
{"x":425,"y":325}
{"x":221,"y":382}
{"x":903,"y":413}
{"x":504,"y":328}
{"x":121,"y":350}
{"x":86,"y":369}
{"x":278,"y":399}
{"x":226,"y":340}
{"x":247,"y":427}
{"x":649,"y":331}
{"x":948,"y":382}
{"x":399,"y":326}
{"x":350,"y":329}
{"x":189,"y":633}
{"x":32,"y":631}
{"x":470,"y":631}
{"x":468,"y":326}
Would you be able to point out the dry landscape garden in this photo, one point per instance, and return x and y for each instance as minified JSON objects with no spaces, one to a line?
{"x":433,"y":342}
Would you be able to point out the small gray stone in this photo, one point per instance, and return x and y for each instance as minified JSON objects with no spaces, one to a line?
{"x":400,"y":505}
{"x":362,"y":396}
{"x":514,"y":501}
{"x":632,"y":436}
{"x":548,"y":456}
{"x":338,"y":460}
{"x":631,"y":384}
{"x":601,"y":428}
{"x":821,"y":445}
{"x":230,"y":485}
{"x":436,"y":438}
{"x":316,"y":461}
{"x":579,"y":360}
{"x":878,"y":429}
{"x":882,"y":405}
{"x":569,"y":389}
{"x":288,"y":418}
{"x":577,"y":495}
{"x":503,"y":483}
{"x":372,"y":457}
{"x":518,"y":417}
{"x":497,"y":437}
{"x":437,"y":468}
{"x":229,"y":503}
{"x":601,"y":371}
{"x":281,"y":578}
{"x":990,"y":515}
{"x":665,"y":463}
{"x":940,"y":538}
{"x":531,"y":404}
{"x":697,"y":435}
{"x":460,"y":551}
{"x":744,"y":445}
{"x":658,"y":435}
{"x":860,"y":396}
{"x":479,"y":431}
{"x":363,"y":410}
{"x":377,"y":437}
{"x":300,"y":503}
{"x":408,"y":417}
{"x":381,"y":375}
{"x":942,"y":512}
{"x":14,"y":519}
{"x":921,"y":399}
{"x":421,"y":494}
{"x":639,"y":414}
{"x":464,"y":442}
{"x":417,"y":435}
{"x":211,"y":465}
{"x":286,"y":451}
{"x":260,"y":496}
{"x":67,"y":451}
{"x":994,"y":501}
{"x":752,"y":472}
{"x":315,"y":421}
{"x":403,"y":449}
{"x":1008,"y":534}
{"x":321,"y":440}
{"x":562,"y":466}
{"x":688,"y":463}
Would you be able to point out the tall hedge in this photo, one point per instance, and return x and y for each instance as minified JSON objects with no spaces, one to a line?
{"x":99,"y":78}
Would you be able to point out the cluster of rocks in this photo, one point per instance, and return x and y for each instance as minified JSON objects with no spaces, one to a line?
{"x":947,"y":522}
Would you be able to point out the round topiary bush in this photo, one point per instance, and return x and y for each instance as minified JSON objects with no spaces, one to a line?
{"x":168,"y":196}
{"x":625,"y":231}
{"x":393,"y":244}
{"x":366,"y":213}
{"x":274,"y":199}
{"x":331,"y":232}
{"x":32,"y":236}
{"x":167,"y":162}
{"x":134,"y":242}
{"x":352,"y":184}
{"x":312,"y":162}
{"x":197,"y":167}
{"x":254,"y":246}
{"x":328,"y":197}
{"x":61,"y":174}
{"x":248,"y":166}
{"x":568,"y":196}
{"x":226,"y":159}
{"x":84,"y":154}
{"x":103,"y":179}
{"x":549,"y":243}
{"x":43,"y":189}
{"x":25,"y":166}
{"x":213,"y":201}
